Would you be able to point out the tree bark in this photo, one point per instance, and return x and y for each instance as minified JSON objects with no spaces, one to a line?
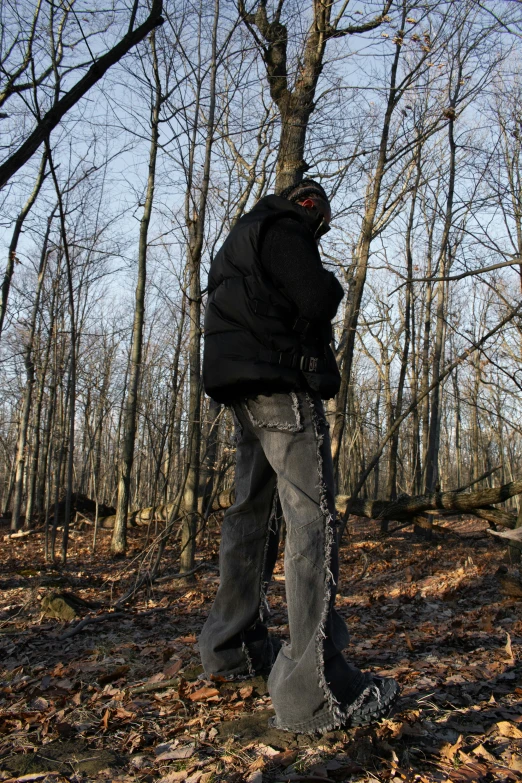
{"x":195,"y":219}
{"x":296,"y":104}
{"x":432,"y":451}
{"x":21,"y":450}
{"x":11,"y":258}
{"x":119,"y":538}
{"x":397,"y":410}
{"x":353,"y":305}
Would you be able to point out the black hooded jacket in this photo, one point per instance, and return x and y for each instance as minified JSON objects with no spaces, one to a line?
{"x":267,"y":328}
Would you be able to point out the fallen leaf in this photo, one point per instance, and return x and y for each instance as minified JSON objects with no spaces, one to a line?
{"x":139,"y":761}
{"x":122,"y":713}
{"x":285,"y":758}
{"x":469,"y":773}
{"x":172,"y":668}
{"x":486,"y":624}
{"x":203,"y":694}
{"x":174,"y":777}
{"x":333,"y":765}
{"x":509,"y":650}
{"x":40,"y":704}
{"x":105,"y":719}
{"x":515,"y":762}
{"x":246,"y":692}
{"x":408,"y":641}
{"x":157,"y":677}
{"x":45,"y":683}
{"x":319,"y":771}
{"x":266,"y":750}
{"x":455,"y":679}
{"x":412,"y":730}
{"x":391,"y":728}
{"x":448,"y":750}
{"x":507,"y":729}
{"x":167,"y":751}
{"x":113,"y":675}
{"x":481,"y":751}
{"x":65,"y":685}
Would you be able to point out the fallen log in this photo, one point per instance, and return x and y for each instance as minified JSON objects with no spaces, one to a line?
{"x":405,"y":508}
{"x":497,"y":516}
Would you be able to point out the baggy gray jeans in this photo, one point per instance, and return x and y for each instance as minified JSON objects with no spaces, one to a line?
{"x":284,"y":454}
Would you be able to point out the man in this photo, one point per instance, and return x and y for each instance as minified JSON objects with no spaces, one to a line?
{"x":268,"y":356}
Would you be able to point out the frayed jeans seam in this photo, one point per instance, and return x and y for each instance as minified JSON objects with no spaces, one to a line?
{"x":277,"y":425}
{"x":337,"y":713}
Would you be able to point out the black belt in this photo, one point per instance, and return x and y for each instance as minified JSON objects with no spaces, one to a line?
{"x":292,"y":360}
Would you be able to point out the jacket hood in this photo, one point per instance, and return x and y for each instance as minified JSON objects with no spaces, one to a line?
{"x":311,"y":217}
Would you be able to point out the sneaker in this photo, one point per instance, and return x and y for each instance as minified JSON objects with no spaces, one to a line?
{"x":377,"y":703}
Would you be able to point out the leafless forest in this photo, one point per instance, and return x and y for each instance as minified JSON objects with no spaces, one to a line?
{"x":115,"y":198}
{"x":133,"y":135}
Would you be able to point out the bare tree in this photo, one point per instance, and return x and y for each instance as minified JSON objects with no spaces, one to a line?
{"x":119,"y":538}
{"x":47,"y":122}
{"x":11,"y":258}
{"x":295,"y":97}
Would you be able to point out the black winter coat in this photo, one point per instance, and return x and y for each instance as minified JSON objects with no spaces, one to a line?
{"x":255,"y":340}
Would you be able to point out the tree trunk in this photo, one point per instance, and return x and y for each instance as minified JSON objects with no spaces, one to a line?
{"x":11,"y":258}
{"x":353,"y":306}
{"x":195,"y":219}
{"x":297,"y":105}
{"x":28,"y":395}
{"x":212,"y":442}
{"x":119,"y":538}
{"x":32,"y":497}
{"x":397,"y":410}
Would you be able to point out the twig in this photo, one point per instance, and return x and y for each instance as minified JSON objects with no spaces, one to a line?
{"x":187,"y":573}
{"x":87,"y":621}
{"x":480,"y":478}
{"x":156,"y":686}
{"x":366,"y":563}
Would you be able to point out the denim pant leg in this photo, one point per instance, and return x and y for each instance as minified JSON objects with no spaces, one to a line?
{"x":234,"y":641}
{"x":313,"y":687}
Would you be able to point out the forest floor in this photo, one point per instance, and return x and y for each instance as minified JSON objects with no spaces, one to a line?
{"x":121,"y":700}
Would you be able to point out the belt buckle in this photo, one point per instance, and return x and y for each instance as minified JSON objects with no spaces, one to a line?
{"x":311,"y":361}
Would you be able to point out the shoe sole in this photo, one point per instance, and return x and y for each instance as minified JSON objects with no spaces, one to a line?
{"x":371,"y":714}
